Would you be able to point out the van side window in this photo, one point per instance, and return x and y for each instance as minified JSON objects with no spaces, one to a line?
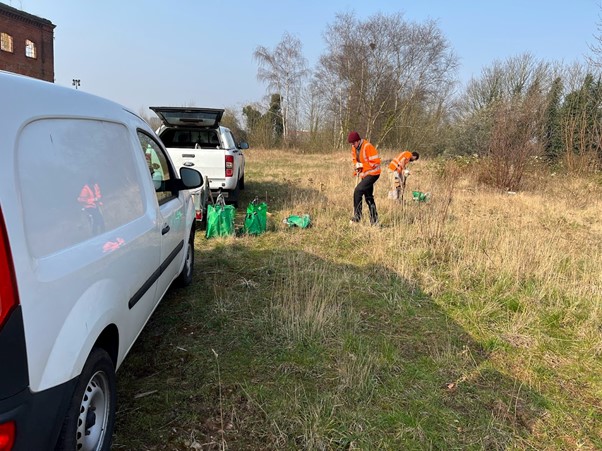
{"x":88,"y":169}
{"x":158,"y":166}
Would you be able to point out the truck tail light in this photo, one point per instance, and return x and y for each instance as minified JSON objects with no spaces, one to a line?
{"x":8,"y":285}
{"x":229,"y":165}
{"x":7,"y":436}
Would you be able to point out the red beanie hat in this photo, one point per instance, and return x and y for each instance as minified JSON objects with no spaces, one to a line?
{"x":353,"y":137}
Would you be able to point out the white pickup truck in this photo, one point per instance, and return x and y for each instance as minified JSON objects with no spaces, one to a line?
{"x":194,"y":139}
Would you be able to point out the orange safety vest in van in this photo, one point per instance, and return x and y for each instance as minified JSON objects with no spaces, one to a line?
{"x":398,"y":164}
{"x":89,"y":198}
{"x":368,"y":156}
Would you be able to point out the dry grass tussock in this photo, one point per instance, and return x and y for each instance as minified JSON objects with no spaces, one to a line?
{"x":305,"y":303}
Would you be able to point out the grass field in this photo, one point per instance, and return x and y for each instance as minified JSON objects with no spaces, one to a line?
{"x":472,"y":321}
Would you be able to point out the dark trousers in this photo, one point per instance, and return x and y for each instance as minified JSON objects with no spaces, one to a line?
{"x":365,"y":189}
{"x":97,"y":222}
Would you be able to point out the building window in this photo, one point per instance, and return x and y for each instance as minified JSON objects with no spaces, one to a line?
{"x":30,"y":49}
{"x":6,"y":42}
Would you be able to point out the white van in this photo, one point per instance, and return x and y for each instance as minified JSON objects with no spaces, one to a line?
{"x":95,"y":225}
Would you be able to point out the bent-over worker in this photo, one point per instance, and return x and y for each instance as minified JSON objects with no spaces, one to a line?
{"x":399,"y":166}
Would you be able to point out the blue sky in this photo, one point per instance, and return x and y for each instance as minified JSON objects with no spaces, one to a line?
{"x":199,"y":52}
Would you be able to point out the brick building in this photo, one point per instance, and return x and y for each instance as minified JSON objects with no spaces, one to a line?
{"x":26,"y":44}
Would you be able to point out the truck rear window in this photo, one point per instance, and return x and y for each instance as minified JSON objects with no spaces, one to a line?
{"x":190,"y":139}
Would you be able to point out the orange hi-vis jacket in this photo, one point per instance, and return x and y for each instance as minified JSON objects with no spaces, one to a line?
{"x":90,"y":198}
{"x":368,"y":156}
{"x":400,"y":162}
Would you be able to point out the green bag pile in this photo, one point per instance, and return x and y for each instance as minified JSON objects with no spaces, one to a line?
{"x":220,"y":219}
{"x":298,"y":221}
{"x":256,"y":219}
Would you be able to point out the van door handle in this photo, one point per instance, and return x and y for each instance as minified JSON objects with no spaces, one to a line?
{"x":165,"y":229}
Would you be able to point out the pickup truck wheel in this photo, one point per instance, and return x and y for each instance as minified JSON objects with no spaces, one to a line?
{"x":185,"y":277}
{"x":91,"y":415}
{"x":241,"y":182}
{"x":235,"y":195}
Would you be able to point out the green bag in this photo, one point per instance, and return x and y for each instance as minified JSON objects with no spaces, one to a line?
{"x":298,"y":221}
{"x":419,"y":196}
{"x":220,"y":220}
{"x":256,"y":219}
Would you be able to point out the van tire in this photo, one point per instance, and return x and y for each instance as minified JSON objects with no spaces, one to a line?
{"x":185,"y":277}
{"x":94,"y":401}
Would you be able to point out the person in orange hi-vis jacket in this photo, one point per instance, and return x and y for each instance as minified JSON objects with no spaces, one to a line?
{"x":367,"y":168}
{"x":399,"y":166}
{"x":90,"y":199}
{"x":90,"y":196}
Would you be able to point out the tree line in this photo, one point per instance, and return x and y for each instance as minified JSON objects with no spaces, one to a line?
{"x":396,"y":83}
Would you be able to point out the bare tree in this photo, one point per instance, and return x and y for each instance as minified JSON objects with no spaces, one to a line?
{"x":513,"y":140}
{"x":505,"y":80}
{"x":284,"y":70}
{"x":328,"y":94}
{"x":504,"y":113}
{"x":380,"y":72}
{"x":580,"y":120}
{"x":151,"y":119}
{"x":595,"y":58}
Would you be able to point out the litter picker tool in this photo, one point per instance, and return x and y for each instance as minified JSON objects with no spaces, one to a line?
{"x":403,"y":187}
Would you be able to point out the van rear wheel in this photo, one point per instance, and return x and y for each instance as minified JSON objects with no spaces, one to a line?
{"x":91,"y":416}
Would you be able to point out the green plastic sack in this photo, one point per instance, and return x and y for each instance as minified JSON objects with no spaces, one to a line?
{"x":419,"y":196}
{"x":220,"y":220}
{"x":256,"y":219}
{"x":298,"y":221}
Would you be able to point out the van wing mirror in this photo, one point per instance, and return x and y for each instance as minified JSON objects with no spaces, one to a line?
{"x":189,"y":179}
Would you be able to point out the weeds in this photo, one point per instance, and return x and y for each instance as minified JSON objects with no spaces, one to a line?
{"x":305,"y":305}
{"x":471,"y":321}
{"x":221,"y":407}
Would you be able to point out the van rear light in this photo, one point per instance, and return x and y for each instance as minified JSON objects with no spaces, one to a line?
{"x":7,"y":436}
{"x":8,"y":286}
{"x":229,"y":165}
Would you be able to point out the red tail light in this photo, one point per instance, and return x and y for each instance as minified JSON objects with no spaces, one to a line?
{"x":229,"y":165}
{"x":7,"y":436}
{"x":8,"y":286}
